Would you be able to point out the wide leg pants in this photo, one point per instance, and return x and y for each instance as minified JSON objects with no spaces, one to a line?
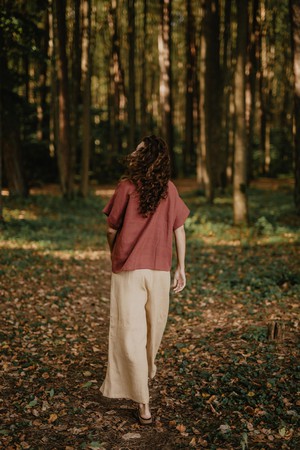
{"x":139,"y":308}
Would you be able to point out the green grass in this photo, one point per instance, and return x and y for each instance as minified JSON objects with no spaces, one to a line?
{"x":50,"y":222}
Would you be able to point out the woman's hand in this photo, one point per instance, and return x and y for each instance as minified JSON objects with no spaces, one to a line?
{"x":179,"y":280}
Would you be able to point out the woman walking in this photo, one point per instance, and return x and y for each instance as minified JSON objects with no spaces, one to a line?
{"x":142,"y":216}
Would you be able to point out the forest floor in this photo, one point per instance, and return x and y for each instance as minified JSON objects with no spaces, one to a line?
{"x":223,"y":382}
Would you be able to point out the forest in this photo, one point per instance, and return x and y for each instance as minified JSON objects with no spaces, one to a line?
{"x":81,"y":83}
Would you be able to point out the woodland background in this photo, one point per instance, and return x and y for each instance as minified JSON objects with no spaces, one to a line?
{"x":81,"y":83}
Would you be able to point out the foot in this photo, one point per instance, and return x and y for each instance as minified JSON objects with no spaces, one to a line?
{"x":144,"y":410}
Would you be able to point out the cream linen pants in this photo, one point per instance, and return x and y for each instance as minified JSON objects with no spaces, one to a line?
{"x":139,"y":308}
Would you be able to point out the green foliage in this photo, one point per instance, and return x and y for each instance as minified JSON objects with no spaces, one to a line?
{"x":50,"y":222}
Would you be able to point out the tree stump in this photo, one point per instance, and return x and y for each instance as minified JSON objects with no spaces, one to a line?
{"x":276,"y":331}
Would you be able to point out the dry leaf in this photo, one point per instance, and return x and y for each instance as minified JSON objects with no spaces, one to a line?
{"x":128,"y":436}
{"x":52,"y":418}
{"x":181,"y":428}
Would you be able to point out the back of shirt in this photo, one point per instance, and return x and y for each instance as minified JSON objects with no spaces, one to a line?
{"x":143,"y":242}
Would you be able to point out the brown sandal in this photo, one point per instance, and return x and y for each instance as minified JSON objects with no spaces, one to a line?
{"x":143,"y":420}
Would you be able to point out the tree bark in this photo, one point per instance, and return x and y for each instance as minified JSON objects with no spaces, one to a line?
{"x":42,"y":106}
{"x":10,"y":134}
{"x":212,"y":93}
{"x":240,"y":204}
{"x":143,"y":94}
{"x":117,"y":86}
{"x":86,"y":84}
{"x":165,"y":82}
{"x":64,"y":136}
{"x":295,"y":18}
{"x":188,"y":150}
{"x":265,"y":91}
{"x":203,"y":178}
{"x":254,"y":57}
{"x":131,"y":75}
{"x":75,"y":82}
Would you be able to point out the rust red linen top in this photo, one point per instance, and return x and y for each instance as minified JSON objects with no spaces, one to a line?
{"x":143,"y":242}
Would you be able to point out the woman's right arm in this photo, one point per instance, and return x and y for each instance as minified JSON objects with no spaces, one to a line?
{"x":111,"y":236}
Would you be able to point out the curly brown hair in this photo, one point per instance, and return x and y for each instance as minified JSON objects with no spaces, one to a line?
{"x":148,"y":168}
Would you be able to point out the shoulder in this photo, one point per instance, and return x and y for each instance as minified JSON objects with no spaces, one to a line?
{"x":172,"y":188}
{"x":125,"y":186}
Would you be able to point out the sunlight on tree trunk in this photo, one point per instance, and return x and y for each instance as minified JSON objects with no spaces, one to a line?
{"x":240,"y":206}
{"x":165,"y":82}
{"x":86,"y":85}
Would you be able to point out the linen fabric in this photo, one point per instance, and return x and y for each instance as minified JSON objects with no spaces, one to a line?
{"x":138,"y":315}
{"x":143,"y":242}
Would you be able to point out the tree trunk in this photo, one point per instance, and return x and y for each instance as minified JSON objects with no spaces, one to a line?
{"x":76,"y":99}
{"x":264,"y":92}
{"x":227,"y":76}
{"x":188,"y":150}
{"x":212,"y":96}
{"x":295,"y":17}
{"x":10,"y":134}
{"x":203,"y":179}
{"x":254,"y":55}
{"x":117,"y":86}
{"x":131,"y":75}
{"x":86,"y":84}
{"x":165,"y":82}
{"x":143,"y":95}
{"x":240,"y":204}
{"x":42,"y":106}
{"x":64,"y":136}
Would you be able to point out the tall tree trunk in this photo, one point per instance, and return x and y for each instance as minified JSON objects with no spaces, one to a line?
{"x":75,"y":82}
{"x":254,"y":57}
{"x":117,"y":85}
{"x":227,"y":76}
{"x":131,"y":75}
{"x":64,"y":136}
{"x":42,"y":106}
{"x":53,"y":119}
{"x":264,"y":91}
{"x":165,"y":82}
{"x":203,"y":179}
{"x":295,"y":17}
{"x":188,"y":150}
{"x":240,"y":204}
{"x":10,"y":135}
{"x":212,"y":96}
{"x":143,"y":95}
{"x":86,"y":84}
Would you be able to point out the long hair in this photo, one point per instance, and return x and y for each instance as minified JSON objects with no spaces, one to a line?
{"x":148,"y":168}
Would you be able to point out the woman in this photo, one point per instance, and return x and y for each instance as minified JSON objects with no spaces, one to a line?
{"x":142,"y":216}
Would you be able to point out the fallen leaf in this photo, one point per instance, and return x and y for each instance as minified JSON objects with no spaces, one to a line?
{"x":181,"y":428}
{"x":128,"y":436}
{"x":52,"y":418}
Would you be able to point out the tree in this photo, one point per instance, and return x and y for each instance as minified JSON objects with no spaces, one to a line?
{"x":64,"y":148}
{"x":86,"y":84}
{"x":210,"y":98}
{"x":188,"y":149}
{"x":240,"y":204}
{"x":295,"y":19}
{"x":117,"y":96}
{"x":131,"y":75}
{"x":165,"y":81}
{"x":15,"y":28}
